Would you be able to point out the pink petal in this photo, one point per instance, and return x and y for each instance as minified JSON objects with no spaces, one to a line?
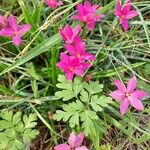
{"x":3,"y":21}
{"x":51,"y":3}
{"x":118,"y":6}
{"x":78,"y":71}
{"x":60,"y":3}
{"x":74,"y":62}
{"x":118,"y":95}
{"x":64,"y":57}
{"x":136,"y":103}
{"x":118,"y":12}
{"x":131,"y":14}
{"x":76,"y":30}
{"x":82,"y":148}
{"x":139,"y":94}
{"x":6,"y":32}
{"x":120,"y":85}
{"x":13,"y":23}
{"x":80,"y":9}
{"x":62,"y":147}
{"x":132,"y":84}
{"x":98,"y":18}
{"x":87,"y":5}
{"x":89,"y":56}
{"x":72,"y":140}
{"x":76,"y":17}
{"x":68,"y":31}
{"x":125,"y":25}
{"x":70,"y":49}
{"x":79,"y":139}
{"x":69,"y":75}
{"x":24,"y":28}
{"x":127,"y":7}
{"x":84,"y":66}
{"x":91,"y":25}
{"x":16,"y":40}
{"x":63,"y":66}
{"x":124,"y":106}
{"x":94,"y":7}
{"x":79,"y":45}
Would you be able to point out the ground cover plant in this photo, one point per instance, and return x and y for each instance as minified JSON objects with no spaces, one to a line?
{"x":74,"y":75}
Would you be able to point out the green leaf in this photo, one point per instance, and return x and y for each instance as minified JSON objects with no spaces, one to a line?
{"x":71,"y":113}
{"x":29,"y":121}
{"x":5,"y":125}
{"x":77,"y":85}
{"x":3,"y":141}
{"x":10,"y":133}
{"x":29,"y":135}
{"x":70,"y":89}
{"x":98,"y":103}
{"x":7,"y":115}
{"x":13,"y":129}
{"x":87,"y":117}
{"x":16,"y":118}
{"x":93,"y":87}
{"x":84,"y":96}
{"x":19,"y":127}
{"x":74,"y":120}
{"x":65,"y":94}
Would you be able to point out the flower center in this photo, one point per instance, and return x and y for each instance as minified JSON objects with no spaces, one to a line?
{"x":127,"y":94}
{"x":78,"y":55}
{"x":16,"y":32}
{"x":123,"y":17}
{"x":71,"y":69}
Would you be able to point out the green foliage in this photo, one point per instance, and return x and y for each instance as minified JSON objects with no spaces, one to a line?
{"x":16,"y":130}
{"x":69,"y":89}
{"x":84,"y":109}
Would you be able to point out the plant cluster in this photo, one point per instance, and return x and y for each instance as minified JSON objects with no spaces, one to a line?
{"x":16,"y":130}
{"x":70,"y":82}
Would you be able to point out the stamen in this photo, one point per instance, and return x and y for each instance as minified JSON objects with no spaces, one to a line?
{"x":78,"y":55}
{"x":71,"y":69}
{"x":127,"y":94}
{"x":16,"y":32}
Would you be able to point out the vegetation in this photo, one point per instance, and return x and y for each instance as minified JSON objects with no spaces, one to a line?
{"x":40,"y":107}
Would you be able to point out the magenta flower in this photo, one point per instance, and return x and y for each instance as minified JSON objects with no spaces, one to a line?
{"x":74,"y":141}
{"x":78,"y":50}
{"x":53,"y":3}
{"x":3,"y":22}
{"x":69,"y":34}
{"x":71,"y":66}
{"x":129,"y":95}
{"x":14,"y":30}
{"x":125,"y":13}
{"x":87,"y":14}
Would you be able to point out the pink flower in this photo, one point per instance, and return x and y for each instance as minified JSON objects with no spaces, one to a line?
{"x":14,"y":30}
{"x":69,"y":34}
{"x":3,"y":21}
{"x":71,"y":66}
{"x":129,"y":95}
{"x":78,"y":50}
{"x":87,"y":14}
{"x":53,"y":3}
{"x":125,"y":13}
{"x":74,"y":141}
